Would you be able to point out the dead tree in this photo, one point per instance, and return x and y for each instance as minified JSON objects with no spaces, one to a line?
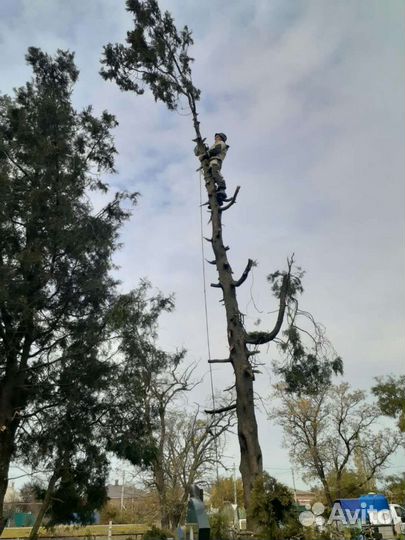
{"x":156,"y":55}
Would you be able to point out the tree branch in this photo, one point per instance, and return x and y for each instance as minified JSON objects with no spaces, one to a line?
{"x":16,"y":164}
{"x":245,"y":274}
{"x":223,"y":409}
{"x":232,"y":202}
{"x":221,"y":361}
{"x":259,"y":338}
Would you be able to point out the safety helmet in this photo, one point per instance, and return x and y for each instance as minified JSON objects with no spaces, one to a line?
{"x":222,"y":135}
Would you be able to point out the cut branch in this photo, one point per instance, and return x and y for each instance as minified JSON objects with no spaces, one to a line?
{"x":222,"y":410}
{"x":219,"y":361}
{"x":245,"y":274}
{"x":259,"y":338}
{"x":216,"y":285}
{"x":232,"y":202}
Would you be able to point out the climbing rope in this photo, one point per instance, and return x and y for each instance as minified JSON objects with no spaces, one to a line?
{"x":207,"y":331}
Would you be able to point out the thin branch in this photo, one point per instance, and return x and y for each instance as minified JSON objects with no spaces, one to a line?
{"x":220,"y":361}
{"x":16,"y":164}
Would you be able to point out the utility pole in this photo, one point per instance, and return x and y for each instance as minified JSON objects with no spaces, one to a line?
{"x":295,"y":489}
{"x":235,"y":499}
{"x":235,"y":496}
{"x":122,"y":491}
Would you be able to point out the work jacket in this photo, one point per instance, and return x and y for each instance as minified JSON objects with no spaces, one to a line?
{"x":218,"y":151}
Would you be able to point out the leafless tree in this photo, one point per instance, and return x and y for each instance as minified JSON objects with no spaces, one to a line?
{"x":328,"y":431}
{"x":187,"y":444}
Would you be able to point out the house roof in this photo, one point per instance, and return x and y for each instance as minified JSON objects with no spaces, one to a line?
{"x":114,"y":491}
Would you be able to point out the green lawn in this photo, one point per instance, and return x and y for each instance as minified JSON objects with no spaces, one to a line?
{"x":89,"y":530}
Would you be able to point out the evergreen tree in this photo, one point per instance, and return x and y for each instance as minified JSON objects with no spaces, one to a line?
{"x":272,"y":509}
{"x":56,"y":287}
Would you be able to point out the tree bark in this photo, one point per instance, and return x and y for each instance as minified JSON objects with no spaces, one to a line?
{"x":162,"y":493}
{"x":7,"y":433}
{"x":11,"y":398}
{"x":251,"y":463}
{"x":45,"y":505}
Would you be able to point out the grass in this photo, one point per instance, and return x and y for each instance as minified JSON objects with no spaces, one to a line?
{"x":87,"y":531}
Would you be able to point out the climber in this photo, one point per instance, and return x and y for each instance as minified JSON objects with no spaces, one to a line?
{"x":215,"y":154}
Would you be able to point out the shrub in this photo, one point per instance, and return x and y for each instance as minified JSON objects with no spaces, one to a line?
{"x":154,"y":533}
{"x":219,"y":524}
{"x":271,"y":509}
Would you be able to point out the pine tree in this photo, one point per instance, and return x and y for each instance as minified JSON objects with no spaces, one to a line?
{"x":56,"y":287}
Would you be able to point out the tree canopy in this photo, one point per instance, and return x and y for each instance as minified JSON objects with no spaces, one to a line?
{"x":56,"y":285}
{"x":390,"y":393}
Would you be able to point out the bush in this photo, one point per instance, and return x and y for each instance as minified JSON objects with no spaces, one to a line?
{"x":154,"y":533}
{"x":271,"y":510}
{"x":219,"y":524}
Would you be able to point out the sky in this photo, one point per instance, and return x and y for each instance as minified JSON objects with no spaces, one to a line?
{"x":311,"y":96}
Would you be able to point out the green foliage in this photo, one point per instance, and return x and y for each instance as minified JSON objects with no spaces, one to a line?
{"x":306,"y":372}
{"x":130,"y":415}
{"x":156,"y":55}
{"x":222,"y":492}
{"x":57,"y":294}
{"x":390,"y":392}
{"x":394,"y":488}
{"x":351,"y":484}
{"x":154,"y":533}
{"x":305,"y":369}
{"x":295,"y":286}
{"x":220,"y":526}
{"x":271,"y":509}
{"x":56,"y":286}
{"x":80,"y":492}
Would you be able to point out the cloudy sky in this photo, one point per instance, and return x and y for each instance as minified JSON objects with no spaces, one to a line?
{"x":311,"y":96}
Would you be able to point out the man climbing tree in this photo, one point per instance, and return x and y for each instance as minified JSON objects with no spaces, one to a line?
{"x":215,"y":156}
{"x":156,"y":56}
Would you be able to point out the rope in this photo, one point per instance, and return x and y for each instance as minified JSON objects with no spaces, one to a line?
{"x":207,"y":331}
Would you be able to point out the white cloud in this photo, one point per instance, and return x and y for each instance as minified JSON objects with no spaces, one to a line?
{"x":311,"y":97}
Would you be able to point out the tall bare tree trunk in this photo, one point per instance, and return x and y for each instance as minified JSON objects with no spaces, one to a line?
{"x":251,"y":461}
{"x":251,"y":464}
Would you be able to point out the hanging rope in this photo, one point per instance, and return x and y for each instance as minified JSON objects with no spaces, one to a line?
{"x":207,"y":331}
